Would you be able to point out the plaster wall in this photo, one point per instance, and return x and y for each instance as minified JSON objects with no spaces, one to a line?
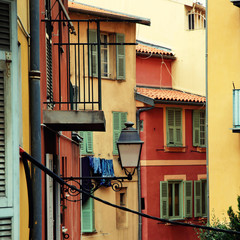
{"x":23,"y":13}
{"x":169,"y":28}
{"x":223,"y":71}
{"x":117,"y":95}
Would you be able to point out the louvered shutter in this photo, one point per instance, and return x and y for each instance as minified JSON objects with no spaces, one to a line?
{"x":93,"y":66}
{"x":116,"y":130}
{"x":120,"y":38}
{"x":178,"y":127}
{"x":196,"y":128}
{"x":164,"y":199}
{"x":2,"y":139}
{"x":188,"y":198}
{"x":89,"y":142}
{"x":170,"y":126}
{"x":119,"y":118}
{"x":82,"y":144}
{"x":5,"y":228}
{"x":88,"y":216}
{"x":197,"y":199}
{"x":5,"y":26}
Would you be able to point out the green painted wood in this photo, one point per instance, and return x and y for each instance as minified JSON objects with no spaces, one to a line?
{"x":196,"y":128}
{"x":86,"y":145}
{"x":164,"y":199}
{"x":120,"y":54}
{"x":92,"y":33}
{"x":188,"y":198}
{"x":87,"y":216}
{"x":197,"y":199}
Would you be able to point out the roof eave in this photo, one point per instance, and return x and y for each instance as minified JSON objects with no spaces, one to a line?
{"x":157,"y":55}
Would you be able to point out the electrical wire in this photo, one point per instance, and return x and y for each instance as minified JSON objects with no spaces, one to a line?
{"x":25,"y":156}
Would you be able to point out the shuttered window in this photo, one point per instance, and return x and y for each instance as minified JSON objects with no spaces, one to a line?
{"x":188,"y":198}
{"x":200,"y":198}
{"x":174,"y":126}
{"x":120,"y":38}
{"x":87,"y":143}
{"x":2,"y":139}
{"x":87,"y":217}
{"x":4,"y":26}
{"x":5,"y":228}
{"x":119,"y":118}
{"x":171,"y":199}
{"x":199,"y":129}
{"x":92,"y":53}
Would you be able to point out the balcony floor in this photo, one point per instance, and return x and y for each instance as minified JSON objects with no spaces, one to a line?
{"x":85,"y":120}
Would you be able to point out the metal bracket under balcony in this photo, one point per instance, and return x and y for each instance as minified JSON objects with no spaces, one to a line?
{"x":86,"y":120}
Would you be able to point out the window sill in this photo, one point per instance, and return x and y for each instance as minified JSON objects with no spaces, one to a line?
{"x":174,"y":149}
{"x":201,"y":149}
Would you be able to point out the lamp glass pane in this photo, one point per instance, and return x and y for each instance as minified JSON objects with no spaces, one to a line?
{"x":129,"y":154}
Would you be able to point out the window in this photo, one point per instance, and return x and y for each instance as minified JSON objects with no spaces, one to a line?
{"x":174,"y":127}
{"x":119,"y":118}
{"x":236,"y":108}
{"x":87,"y":143}
{"x":112,"y":56}
{"x":200,"y":198}
{"x":172,"y":203}
{"x":196,"y":19}
{"x":121,"y":216}
{"x":199,"y":129}
{"x":87,"y":217}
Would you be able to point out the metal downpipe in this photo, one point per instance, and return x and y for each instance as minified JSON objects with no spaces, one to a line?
{"x":35,"y":117}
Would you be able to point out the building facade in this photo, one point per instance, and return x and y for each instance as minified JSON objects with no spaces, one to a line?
{"x":173,"y":160}
{"x":223,"y":84}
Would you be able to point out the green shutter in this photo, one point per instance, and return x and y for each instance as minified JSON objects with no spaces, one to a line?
{"x":174,"y":127}
{"x":119,"y":118}
{"x":196,"y":128}
{"x":197,"y":199}
{"x":120,"y":38}
{"x":89,"y":142}
{"x":187,"y":198}
{"x":178,"y":127}
{"x":164,"y":199}
{"x":93,"y":68}
{"x":87,"y":216}
{"x":82,"y":145}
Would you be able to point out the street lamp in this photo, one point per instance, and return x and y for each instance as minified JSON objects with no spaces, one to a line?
{"x":129,"y":148}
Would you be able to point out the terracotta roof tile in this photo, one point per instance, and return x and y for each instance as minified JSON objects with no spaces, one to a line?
{"x":170,"y":95}
{"x":140,"y":48}
{"x":96,"y":11}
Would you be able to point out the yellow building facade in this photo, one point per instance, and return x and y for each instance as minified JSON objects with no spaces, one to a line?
{"x":24,"y":124}
{"x":223,"y":75}
{"x":117,"y":97}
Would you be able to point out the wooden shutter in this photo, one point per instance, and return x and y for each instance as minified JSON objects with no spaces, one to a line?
{"x":178,"y":127}
{"x":170,"y":126}
{"x":174,"y":127}
{"x":89,"y":142}
{"x":196,"y":127}
{"x":5,"y":26}
{"x":5,"y":228}
{"x":82,"y":145}
{"x":197,"y":199}
{"x":88,"y":216}
{"x":119,"y":118}
{"x":164,"y":199}
{"x":120,"y":38}
{"x":2,"y":137}
{"x":93,"y":68}
{"x":188,"y":198}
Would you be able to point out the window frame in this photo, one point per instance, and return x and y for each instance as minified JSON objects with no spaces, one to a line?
{"x":174,"y":128}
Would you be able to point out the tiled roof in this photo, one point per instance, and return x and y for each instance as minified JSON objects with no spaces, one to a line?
{"x":170,"y":95}
{"x":100,"y":12}
{"x":140,"y":48}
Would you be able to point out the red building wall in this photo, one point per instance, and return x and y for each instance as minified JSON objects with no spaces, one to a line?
{"x":153,"y":71}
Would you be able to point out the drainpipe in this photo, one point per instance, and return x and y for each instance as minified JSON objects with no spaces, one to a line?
{"x":207,"y":150}
{"x":139,"y":175}
{"x":35,"y":117}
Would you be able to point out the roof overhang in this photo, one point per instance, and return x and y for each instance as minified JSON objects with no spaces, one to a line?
{"x":74,"y":120}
